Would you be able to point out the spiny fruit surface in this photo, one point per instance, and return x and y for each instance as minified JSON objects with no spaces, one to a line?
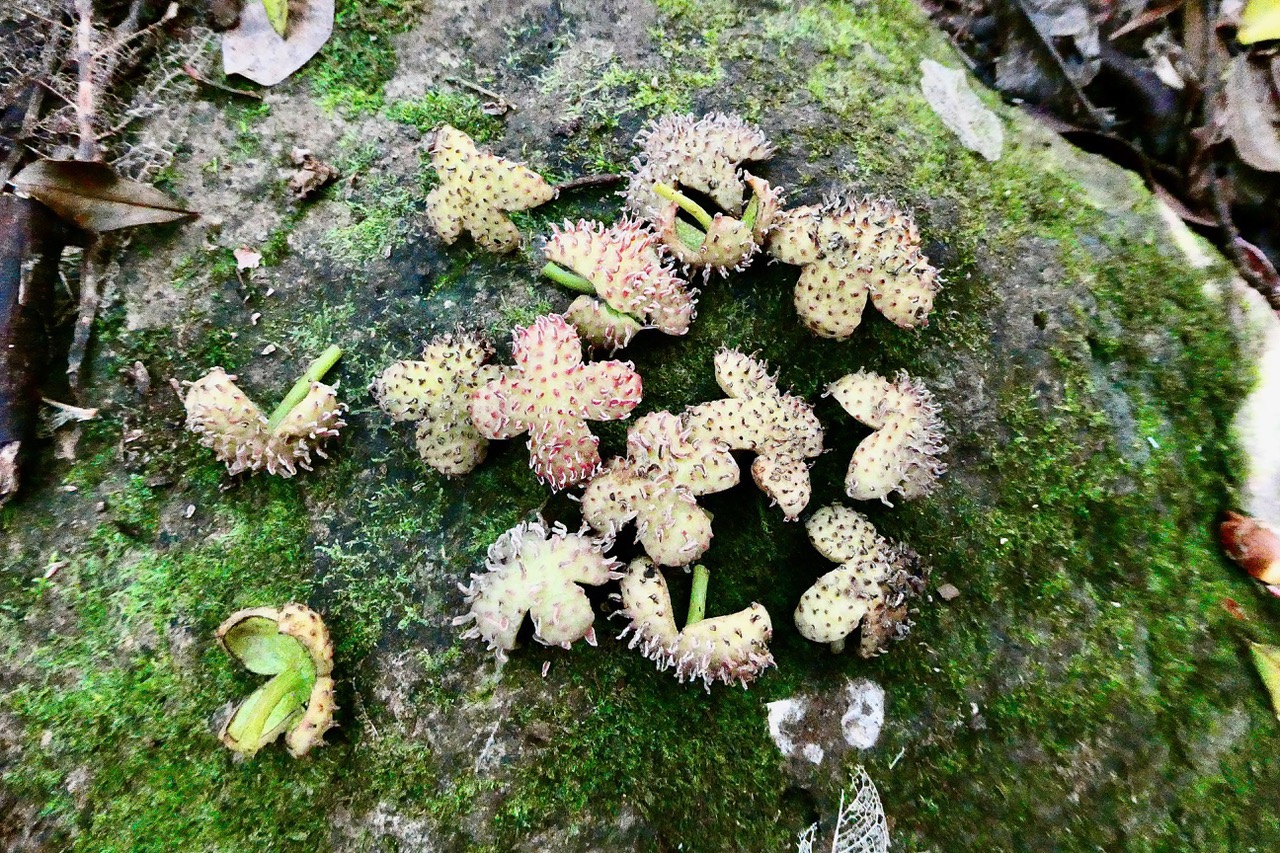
{"x":703,"y":155}
{"x":902,"y":455}
{"x":227,"y":421}
{"x":551,"y":395}
{"x":435,"y":392}
{"x":233,"y":426}
{"x":849,"y":250}
{"x":870,"y":589}
{"x":730,"y":243}
{"x":781,"y":429}
{"x":657,"y":485}
{"x":601,"y":326}
{"x":475,"y":188}
{"x":535,"y":571}
{"x":732,"y":648}
{"x":626,"y":265}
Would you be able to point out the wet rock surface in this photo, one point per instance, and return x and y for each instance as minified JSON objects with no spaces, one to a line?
{"x":1087,"y":690}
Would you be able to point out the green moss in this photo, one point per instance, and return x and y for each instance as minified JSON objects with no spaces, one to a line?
{"x":433,"y":109}
{"x":350,"y":71}
{"x":651,"y":744}
{"x":382,"y":224}
{"x":1089,"y":658}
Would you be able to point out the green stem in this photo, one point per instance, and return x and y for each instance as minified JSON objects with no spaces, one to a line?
{"x":686,"y":204}
{"x":302,"y":387}
{"x":571,"y":280}
{"x":698,"y":595}
{"x":752,"y":211}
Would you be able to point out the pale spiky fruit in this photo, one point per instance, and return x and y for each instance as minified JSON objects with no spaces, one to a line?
{"x":781,"y":429}
{"x":233,"y":426}
{"x":475,"y":188}
{"x":902,"y":454}
{"x":701,"y":154}
{"x":625,"y":264}
{"x":600,"y":326}
{"x":536,"y":571}
{"x":227,"y":421}
{"x":316,"y":418}
{"x":731,"y":648}
{"x":849,"y":250}
{"x":435,"y":392}
{"x":292,"y":644}
{"x":870,"y":589}
{"x":657,"y":485}
{"x":730,"y":242}
{"x":551,"y":395}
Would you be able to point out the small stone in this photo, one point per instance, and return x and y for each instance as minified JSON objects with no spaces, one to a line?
{"x":948,"y":592}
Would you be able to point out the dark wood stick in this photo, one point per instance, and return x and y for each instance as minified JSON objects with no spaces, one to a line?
{"x":31,"y":240}
{"x":590,"y":181}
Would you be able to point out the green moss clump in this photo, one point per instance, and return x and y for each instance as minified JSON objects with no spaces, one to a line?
{"x":433,"y":109}
{"x":349,"y":73}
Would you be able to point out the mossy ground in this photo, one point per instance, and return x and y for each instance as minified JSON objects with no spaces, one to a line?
{"x":1087,"y":691}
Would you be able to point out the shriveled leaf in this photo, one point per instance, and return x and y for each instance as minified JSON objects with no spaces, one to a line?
{"x":1260,"y":21}
{"x":94,"y":197}
{"x":1267,"y":660}
{"x":258,"y":644}
{"x":1252,"y":118}
{"x":961,"y":110}
{"x":255,"y":50}
{"x":277,"y":14}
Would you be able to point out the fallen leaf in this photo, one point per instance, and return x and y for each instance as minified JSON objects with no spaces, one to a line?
{"x":94,"y":197}
{"x":1257,"y":261}
{"x":1254,"y":545}
{"x":1233,"y":608}
{"x":1251,"y":115}
{"x":277,"y":14}
{"x":247,"y":259}
{"x":1260,"y":21}
{"x":314,"y":175}
{"x":255,"y":50}
{"x":1267,"y":661}
{"x":961,"y":110}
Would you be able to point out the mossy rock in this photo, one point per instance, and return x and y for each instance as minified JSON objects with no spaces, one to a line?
{"x":1087,"y":689}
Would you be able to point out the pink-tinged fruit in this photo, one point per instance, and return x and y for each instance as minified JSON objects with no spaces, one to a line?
{"x":657,"y":485}
{"x":551,"y":394}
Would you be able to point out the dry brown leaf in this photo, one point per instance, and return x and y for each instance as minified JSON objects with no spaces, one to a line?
{"x":255,"y":50}
{"x":1252,"y":116}
{"x":94,"y":197}
{"x":961,"y":110}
